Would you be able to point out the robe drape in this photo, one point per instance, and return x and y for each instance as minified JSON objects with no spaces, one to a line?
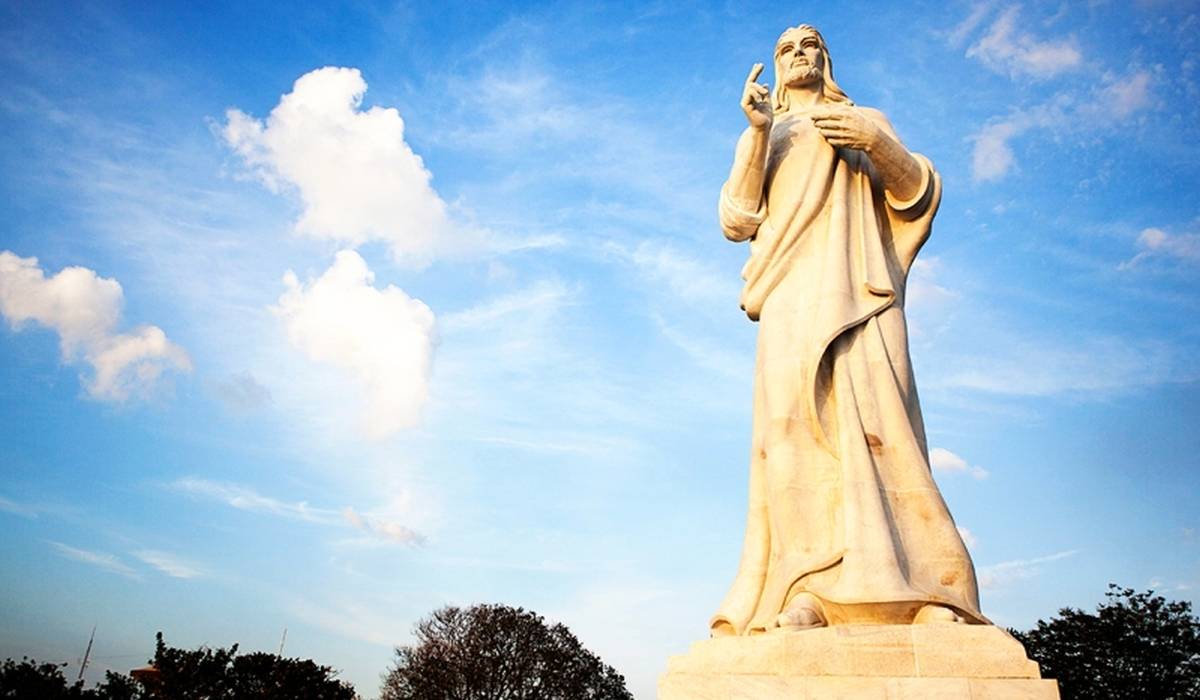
{"x":842,"y":500}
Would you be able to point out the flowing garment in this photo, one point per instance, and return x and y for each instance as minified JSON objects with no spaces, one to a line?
{"x":842,"y":501}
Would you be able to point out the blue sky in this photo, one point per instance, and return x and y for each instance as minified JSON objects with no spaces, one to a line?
{"x":453,"y":321}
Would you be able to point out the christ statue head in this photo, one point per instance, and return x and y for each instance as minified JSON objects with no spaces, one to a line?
{"x":801,"y":59}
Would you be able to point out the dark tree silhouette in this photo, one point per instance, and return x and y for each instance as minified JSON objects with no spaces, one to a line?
{"x":203,"y":674}
{"x":1136,"y":645}
{"x":212,"y":674}
{"x":495,"y":652}
{"x":29,"y":679}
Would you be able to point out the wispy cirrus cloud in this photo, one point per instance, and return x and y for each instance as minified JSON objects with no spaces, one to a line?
{"x":170,"y":564}
{"x":684,"y":276}
{"x":1113,"y":101}
{"x":1088,"y":365}
{"x":999,"y":575}
{"x":24,"y":510}
{"x":84,"y":309}
{"x":247,"y":499}
{"x":1155,"y":243}
{"x":101,"y":560}
{"x":376,"y":525}
{"x":1008,"y":47}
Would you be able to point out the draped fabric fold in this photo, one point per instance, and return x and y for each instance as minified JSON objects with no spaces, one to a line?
{"x":842,"y":500}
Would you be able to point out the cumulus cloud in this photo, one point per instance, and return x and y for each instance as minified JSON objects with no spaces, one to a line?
{"x":1006,"y":49}
{"x":168,"y":564}
{"x":382,"y":337}
{"x":85,"y":309}
{"x":358,"y":179}
{"x":944,"y":460}
{"x":1155,"y":242}
{"x":100,"y":560}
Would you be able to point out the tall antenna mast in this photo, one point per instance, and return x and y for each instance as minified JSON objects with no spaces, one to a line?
{"x":281,"y":641}
{"x":87,"y":653}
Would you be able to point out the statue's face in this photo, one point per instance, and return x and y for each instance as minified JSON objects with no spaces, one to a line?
{"x":799,"y":55}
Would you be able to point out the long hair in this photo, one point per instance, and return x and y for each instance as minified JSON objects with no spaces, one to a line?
{"x":832,"y":92}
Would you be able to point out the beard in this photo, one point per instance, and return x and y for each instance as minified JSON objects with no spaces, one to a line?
{"x":803,"y":75}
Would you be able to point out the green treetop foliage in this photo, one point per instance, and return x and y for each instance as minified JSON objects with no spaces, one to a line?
{"x":495,"y":652}
{"x":1136,"y":645}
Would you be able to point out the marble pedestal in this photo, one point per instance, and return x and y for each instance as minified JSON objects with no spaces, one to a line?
{"x":859,"y":662}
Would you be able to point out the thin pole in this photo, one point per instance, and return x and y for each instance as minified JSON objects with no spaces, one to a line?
{"x":281,"y":641}
{"x":87,"y":653}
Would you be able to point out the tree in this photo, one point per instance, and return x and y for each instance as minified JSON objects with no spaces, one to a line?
{"x":1136,"y":645}
{"x":496,"y":652}
{"x":203,"y":674}
{"x":209,"y":674}
{"x":29,"y":679}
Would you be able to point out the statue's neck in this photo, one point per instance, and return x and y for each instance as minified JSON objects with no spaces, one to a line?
{"x":805,"y":96}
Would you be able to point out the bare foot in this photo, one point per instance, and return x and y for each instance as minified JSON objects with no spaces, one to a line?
{"x":721,"y":628}
{"x":802,"y":613}
{"x":937,"y":614}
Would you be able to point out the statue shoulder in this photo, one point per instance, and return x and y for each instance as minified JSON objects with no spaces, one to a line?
{"x":879,"y":118}
{"x":874,"y":114}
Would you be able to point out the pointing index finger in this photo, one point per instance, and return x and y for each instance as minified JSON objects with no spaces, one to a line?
{"x":755,"y":71}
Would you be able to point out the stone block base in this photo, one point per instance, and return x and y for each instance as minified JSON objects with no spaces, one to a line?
{"x":859,"y":662}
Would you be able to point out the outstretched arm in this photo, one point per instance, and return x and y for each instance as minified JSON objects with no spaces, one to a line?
{"x":848,"y":127}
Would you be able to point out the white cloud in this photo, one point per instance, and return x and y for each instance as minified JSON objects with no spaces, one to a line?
{"x":1156,"y":243}
{"x":709,"y":353}
{"x":944,"y":460}
{"x":21,"y":509}
{"x":543,"y":299}
{"x":1109,"y":103}
{"x":358,"y":179}
{"x":169,"y":564}
{"x":381,"y":526}
{"x":1126,"y":96}
{"x":956,"y":36}
{"x":992,"y":158}
{"x":375,"y":624}
{"x":686,"y":277}
{"x":1033,"y":367}
{"x":241,"y":391}
{"x":382,"y":337}
{"x":968,"y":537}
{"x":102,"y":560}
{"x":999,"y":575}
{"x":84,"y":309}
{"x":1007,"y":50}
{"x":923,"y":291}
{"x":249,"y":500}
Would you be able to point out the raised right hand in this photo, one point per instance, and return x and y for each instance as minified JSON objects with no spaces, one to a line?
{"x":756,"y":100}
